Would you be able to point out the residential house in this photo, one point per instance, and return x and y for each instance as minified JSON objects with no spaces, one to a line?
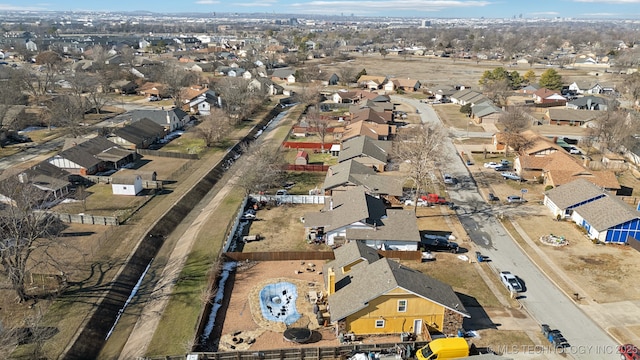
{"x":126,"y":184}
{"x":138,"y":135}
{"x":368,"y":114}
{"x":149,"y":89}
{"x":402,"y":84}
{"x":372,"y":82}
{"x":367,"y":151}
{"x":266,"y":85}
{"x":371,"y":129}
{"x":202,"y":103}
{"x":47,"y":182}
{"x":568,"y":116}
{"x":171,"y":120}
{"x":529,"y":89}
{"x":443,"y":94}
{"x":203,"y":67}
{"x":549,"y":97}
{"x":350,"y":174}
{"x":353,"y":208}
{"x":603,"y":216}
{"x":88,"y":156}
{"x":346,"y":97}
{"x":588,"y":103}
{"x":467,"y":96}
{"x":369,"y":295}
{"x":485,"y":113}
{"x":284,"y":74}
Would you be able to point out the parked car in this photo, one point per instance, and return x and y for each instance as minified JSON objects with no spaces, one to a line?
{"x":574,"y":150}
{"x":438,"y":243}
{"x":515,"y":199}
{"x":448,"y":179}
{"x":502,"y":168}
{"x":282,"y":192}
{"x":629,"y":352}
{"x":434,"y":199}
{"x":491,"y":165}
{"x":410,"y":202}
{"x":510,"y":281}
{"x":505,"y":162}
{"x":511,"y":176}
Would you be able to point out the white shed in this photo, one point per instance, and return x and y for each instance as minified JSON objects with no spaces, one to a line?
{"x":126,"y":184}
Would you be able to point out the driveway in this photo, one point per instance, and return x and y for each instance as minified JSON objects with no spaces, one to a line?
{"x":542,"y":299}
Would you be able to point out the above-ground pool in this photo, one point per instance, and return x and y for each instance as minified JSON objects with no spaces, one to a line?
{"x":278,"y":302}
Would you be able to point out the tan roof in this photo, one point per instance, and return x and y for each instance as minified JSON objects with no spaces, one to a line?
{"x":374,"y":78}
{"x":573,"y":114}
{"x":539,"y":143}
{"x":365,"y":128}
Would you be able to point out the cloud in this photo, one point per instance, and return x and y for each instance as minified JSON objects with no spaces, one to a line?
{"x":265,"y":3}
{"x":207,"y":2}
{"x":334,"y":6}
{"x":545,"y":13}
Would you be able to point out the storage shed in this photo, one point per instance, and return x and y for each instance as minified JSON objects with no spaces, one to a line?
{"x":302,"y":158}
{"x":126,"y":184}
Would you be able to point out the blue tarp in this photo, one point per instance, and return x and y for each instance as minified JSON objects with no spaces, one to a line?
{"x":278,"y":302}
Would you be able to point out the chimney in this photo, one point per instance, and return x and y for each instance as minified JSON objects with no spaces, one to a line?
{"x":555,"y":139}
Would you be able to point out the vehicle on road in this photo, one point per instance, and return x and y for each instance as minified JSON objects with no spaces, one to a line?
{"x":491,"y":165}
{"x":510,"y":281}
{"x":438,"y":243}
{"x":511,"y":176}
{"x":448,"y":179}
{"x":515,"y":199}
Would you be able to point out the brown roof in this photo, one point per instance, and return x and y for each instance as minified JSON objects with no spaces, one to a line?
{"x":365,"y":128}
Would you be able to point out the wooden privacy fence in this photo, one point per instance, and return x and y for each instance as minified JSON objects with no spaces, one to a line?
{"x":146,"y":184}
{"x":86,"y":219}
{"x":305,"y":145}
{"x":168,"y":154}
{"x":313,"y":255}
{"x":308,"y":167}
{"x":302,"y":353}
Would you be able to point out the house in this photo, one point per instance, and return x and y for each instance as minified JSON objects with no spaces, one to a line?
{"x":126,"y":184}
{"x":371,"y":82}
{"x":370,"y":129}
{"x":529,"y":89}
{"x":369,"y":114}
{"x":350,"y":174}
{"x":604,"y":217}
{"x":588,"y":103}
{"x":367,"y":151}
{"x":402,"y":84}
{"x":569,"y":116}
{"x":485,"y":113}
{"x":353,"y":208}
{"x":302,"y":158}
{"x":443,"y":94}
{"x":369,"y":295}
{"x":47,"y":182}
{"x":549,"y":97}
{"x":467,"y":96}
{"x":88,"y":156}
{"x":202,"y":103}
{"x":267,"y":86}
{"x":137,"y":135}
{"x":284,"y":74}
{"x":171,"y":120}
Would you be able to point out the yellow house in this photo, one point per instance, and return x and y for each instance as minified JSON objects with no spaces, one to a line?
{"x":371,"y":295}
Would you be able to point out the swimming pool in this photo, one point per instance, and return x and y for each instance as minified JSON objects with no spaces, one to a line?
{"x":278,"y":302}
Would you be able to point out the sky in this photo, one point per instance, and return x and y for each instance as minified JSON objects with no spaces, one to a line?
{"x":589,"y":9}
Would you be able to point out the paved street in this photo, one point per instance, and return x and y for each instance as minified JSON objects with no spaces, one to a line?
{"x":542,"y":299}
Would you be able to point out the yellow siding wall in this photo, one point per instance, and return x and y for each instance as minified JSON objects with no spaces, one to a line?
{"x":386,"y":308}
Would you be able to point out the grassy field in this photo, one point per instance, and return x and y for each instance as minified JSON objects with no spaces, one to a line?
{"x":453,"y":118}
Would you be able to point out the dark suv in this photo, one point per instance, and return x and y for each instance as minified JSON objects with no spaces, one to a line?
{"x":438,"y":243}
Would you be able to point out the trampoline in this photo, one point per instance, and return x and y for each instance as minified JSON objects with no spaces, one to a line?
{"x":298,"y":335}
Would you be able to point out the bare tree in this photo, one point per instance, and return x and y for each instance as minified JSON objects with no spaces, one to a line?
{"x":214,"y":127}
{"x":421,"y":148}
{"x":67,"y":111}
{"x":319,"y":123}
{"x":40,"y":82}
{"x":10,"y":95}
{"x":263,"y":168}
{"x":25,"y":230}
{"x":612,"y":129}
{"x":238,"y":98}
{"x":514,"y":120}
{"x":347,"y":74}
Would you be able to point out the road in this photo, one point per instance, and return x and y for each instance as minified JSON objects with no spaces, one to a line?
{"x":542,"y":299}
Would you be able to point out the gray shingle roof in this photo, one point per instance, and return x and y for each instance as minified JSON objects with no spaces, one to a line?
{"x":365,"y":146}
{"x":139,"y":131}
{"x":573,"y":193}
{"x":353,"y":173}
{"x":343,"y":172}
{"x":366,"y":283}
{"x":90,"y":152}
{"x":398,"y":225}
{"x":345,"y":208}
{"x":606,"y":212}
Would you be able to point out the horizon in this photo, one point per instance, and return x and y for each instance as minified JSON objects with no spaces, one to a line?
{"x":435,"y":9}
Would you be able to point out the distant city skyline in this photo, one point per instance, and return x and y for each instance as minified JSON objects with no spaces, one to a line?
{"x":596,"y":9}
